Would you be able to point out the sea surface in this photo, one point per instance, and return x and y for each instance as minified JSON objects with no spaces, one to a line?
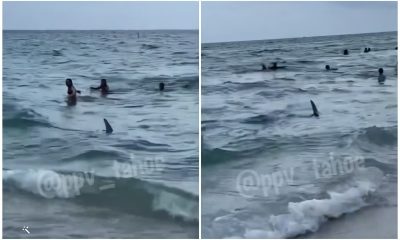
{"x":63,"y":176}
{"x":269,"y":168}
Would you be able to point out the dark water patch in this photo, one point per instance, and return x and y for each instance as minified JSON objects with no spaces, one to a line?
{"x":260,"y":119}
{"x":341,"y":90}
{"x":179,"y":53}
{"x":380,"y":136}
{"x":142,"y":145}
{"x":149,"y":46}
{"x":57,"y":53}
{"x":133,"y":106}
{"x":93,"y":155}
{"x":218,"y":155}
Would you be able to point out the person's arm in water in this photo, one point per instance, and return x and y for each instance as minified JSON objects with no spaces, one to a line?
{"x":103,"y":86}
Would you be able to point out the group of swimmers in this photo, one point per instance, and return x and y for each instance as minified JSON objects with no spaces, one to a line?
{"x":103,"y":87}
{"x":274,"y":66}
{"x":71,"y":90}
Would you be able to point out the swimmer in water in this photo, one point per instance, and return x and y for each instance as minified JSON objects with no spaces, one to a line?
{"x":381,"y":78}
{"x":103,"y":86}
{"x":274,"y":66}
{"x":264,"y":68}
{"x":71,"y":89}
{"x":346,"y":52}
{"x":328,"y":68}
{"x":161,"y":86}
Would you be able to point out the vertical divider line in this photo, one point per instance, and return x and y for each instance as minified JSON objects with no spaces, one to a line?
{"x":200,"y":138}
{"x":398,"y":114}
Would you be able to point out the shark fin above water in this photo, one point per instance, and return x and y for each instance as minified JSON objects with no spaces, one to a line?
{"x":314,"y":108}
{"x":108,"y":126}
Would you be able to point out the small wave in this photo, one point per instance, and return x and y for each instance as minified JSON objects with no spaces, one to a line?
{"x":247,"y":85}
{"x":217,"y":155}
{"x":307,"y":216}
{"x":191,"y":82}
{"x":86,"y":98}
{"x":142,"y":145}
{"x":15,"y":117}
{"x":57,"y":53}
{"x":174,"y":82}
{"x":179,"y":53}
{"x":340,"y":90}
{"x":95,"y":155}
{"x":129,"y":195}
{"x":259,"y":119}
{"x":379,"y":136}
{"x":272,"y":50}
{"x":149,"y":46}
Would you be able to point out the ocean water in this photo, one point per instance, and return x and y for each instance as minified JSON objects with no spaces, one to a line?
{"x":63,"y":176}
{"x":270,"y":169}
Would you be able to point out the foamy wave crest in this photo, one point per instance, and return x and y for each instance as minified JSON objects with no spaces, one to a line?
{"x":125,"y":194}
{"x":309,"y":215}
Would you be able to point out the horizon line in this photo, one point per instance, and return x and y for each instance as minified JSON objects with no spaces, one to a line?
{"x":166,"y":29}
{"x":329,"y":35}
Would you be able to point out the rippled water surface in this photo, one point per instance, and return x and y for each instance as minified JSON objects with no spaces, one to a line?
{"x":269,"y":169}
{"x":63,"y":176}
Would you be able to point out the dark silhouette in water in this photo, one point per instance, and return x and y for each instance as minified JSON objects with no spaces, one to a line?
{"x":346,"y":52}
{"x":71,"y":89}
{"x":264,"y":68}
{"x":381,"y":77}
{"x":274,"y":66}
{"x":314,"y":108}
{"x":71,"y":92}
{"x":328,"y":68}
{"x":367,"y":50}
{"x":161,"y":86}
{"x":108,"y":126}
{"x":103,"y":86}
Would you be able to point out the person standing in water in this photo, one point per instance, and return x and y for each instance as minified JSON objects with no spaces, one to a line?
{"x":161,"y":86}
{"x":103,"y":87}
{"x":381,"y":77}
{"x":71,"y":90}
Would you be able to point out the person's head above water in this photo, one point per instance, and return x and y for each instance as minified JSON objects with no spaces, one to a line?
{"x":68,"y":82}
{"x":380,"y":70}
{"x":327,"y":67}
{"x":346,"y":52}
{"x":161,"y":86}
{"x":103,"y":82}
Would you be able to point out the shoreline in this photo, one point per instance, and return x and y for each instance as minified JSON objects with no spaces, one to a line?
{"x":367,"y":223}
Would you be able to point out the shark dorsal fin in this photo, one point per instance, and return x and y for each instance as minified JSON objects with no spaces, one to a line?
{"x":314,"y":108}
{"x":108,"y":126}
